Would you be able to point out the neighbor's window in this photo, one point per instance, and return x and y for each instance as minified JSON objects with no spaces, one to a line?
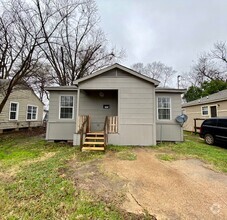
{"x":164,"y":108}
{"x":66,"y":107}
{"x":32,"y":112}
{"x":13,"y":111}
{"x":204,"y":110}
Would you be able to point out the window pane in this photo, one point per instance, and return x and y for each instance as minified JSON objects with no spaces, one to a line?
{"x":66,"y":113}
{"x":32,"y":112}
{"x":164,"y":114}
{"x":34,"y":109}
{"x":66,"y":107}
{"x":205,"y":110}
{"x":66,"y":101}
{"x":13,"y":111}
{"x":222,"y":123}
{"x":29,"y":108}
{"x":163,"y":108}
{"x":12,"y":115}
{"x":13,"y":107}
{"x":29,"y":116}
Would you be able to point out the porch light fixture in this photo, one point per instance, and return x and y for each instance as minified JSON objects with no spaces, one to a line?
{"x":101,"y":94}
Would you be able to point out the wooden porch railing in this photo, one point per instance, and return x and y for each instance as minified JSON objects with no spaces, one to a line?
{"x":112,"y":124}
{"x":81,"y":119}
{"x":84,"y":128}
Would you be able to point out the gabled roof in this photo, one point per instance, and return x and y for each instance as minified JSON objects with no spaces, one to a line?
{"x":216,"y":97}
{"x":116,"y":65}
{"x":20,"y":86}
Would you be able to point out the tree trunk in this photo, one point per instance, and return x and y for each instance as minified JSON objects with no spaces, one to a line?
{"x":3,"y":102}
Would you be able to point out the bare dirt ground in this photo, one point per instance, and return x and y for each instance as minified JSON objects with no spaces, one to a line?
{"x":148,"y":188}
{"x":183,"y":189}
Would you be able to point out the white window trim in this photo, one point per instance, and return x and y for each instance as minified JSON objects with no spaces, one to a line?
{"x":17,"y":112}
{"x":170,"y":102}
{"x":36,"y":117}
{"x":59,"y":115}
{"x":208,"y":109}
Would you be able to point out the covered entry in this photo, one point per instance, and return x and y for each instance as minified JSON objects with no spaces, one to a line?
{"x":98,"y":104}
{"x":97,"y":116}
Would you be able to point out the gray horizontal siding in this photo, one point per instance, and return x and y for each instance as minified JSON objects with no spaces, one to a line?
{"x":170,"y":130}
{"x":60,"y":130}
{"x":135,"y":105}
{"x":141,"y":135}
{"x":54,"y":105}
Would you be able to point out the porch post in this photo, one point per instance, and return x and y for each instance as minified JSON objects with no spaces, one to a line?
{"x":77,"y":109}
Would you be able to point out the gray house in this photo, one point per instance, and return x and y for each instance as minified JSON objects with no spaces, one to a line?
{"x":115,"y":105}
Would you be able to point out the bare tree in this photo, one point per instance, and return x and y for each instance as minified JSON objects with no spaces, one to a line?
{"x":210,"y":66}
{"x":78,"y":46}
{"x":63,"y":32}
{"x":18,"y":41}
{"x":220,"y":52}
{"x":156,"y":70}
{"x":39,"y":78}
{"x":205,"y":69}
{"x":139,"y":67}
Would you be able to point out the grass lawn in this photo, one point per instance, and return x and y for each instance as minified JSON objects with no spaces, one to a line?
{"x":33,"y":184}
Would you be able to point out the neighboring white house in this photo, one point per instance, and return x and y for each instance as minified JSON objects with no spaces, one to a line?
{"x":23,"y":109}
{"x":136,"y":111}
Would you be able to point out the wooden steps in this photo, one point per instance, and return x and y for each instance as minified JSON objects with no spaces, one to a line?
{"x":97,"y":138}
{"x":94,"y":141}
{"x":93,"y":148}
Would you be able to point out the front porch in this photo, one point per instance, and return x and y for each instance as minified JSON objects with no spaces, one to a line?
{"x":96,"y":140}
{"x":97,"y":116}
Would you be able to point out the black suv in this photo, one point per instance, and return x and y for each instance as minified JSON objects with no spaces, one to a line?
{"x":214,"y":129}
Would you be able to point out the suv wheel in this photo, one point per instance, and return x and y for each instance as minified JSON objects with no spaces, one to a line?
{"x":209,"y":139}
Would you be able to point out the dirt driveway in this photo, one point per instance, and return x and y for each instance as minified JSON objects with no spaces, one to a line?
{"x":182,"y":189}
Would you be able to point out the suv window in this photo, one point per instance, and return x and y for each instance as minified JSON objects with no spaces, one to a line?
{"x":222,"y":123}
{"x":211,"y":122}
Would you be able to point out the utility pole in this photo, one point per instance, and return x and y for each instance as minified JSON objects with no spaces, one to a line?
{"x":178,"y":81}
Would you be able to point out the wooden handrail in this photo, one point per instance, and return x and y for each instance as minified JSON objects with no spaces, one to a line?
{"x":83,"y":130}
{"x":105,"y":130}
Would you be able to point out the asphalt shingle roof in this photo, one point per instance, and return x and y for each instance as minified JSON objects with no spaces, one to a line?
{"x":219,"y":96}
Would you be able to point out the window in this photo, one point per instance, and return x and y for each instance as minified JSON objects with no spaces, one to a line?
{"x":13,"y":111}
{"x":32,"y":112}
{"x":222,"y":123}
{"x":204,"y":110}
{"x":164,"y":108}
{"x":210,"y":122}
{"x":66,"y":107}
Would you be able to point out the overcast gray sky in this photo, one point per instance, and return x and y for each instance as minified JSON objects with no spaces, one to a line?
{"x":174,"y":32}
